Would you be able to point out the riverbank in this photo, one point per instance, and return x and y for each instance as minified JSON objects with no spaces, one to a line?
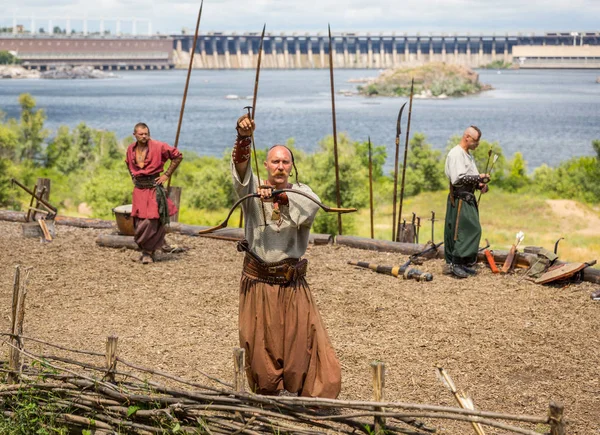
{"x":60,"y":72}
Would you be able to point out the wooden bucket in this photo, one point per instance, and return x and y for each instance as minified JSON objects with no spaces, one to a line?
{"x":124,"y":220}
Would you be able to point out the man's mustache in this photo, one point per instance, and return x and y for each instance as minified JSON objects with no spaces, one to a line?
{"x":279,"y":173}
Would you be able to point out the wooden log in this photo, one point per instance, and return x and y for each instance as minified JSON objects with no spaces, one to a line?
{"x":239,"y":364}
{"x":33,"y":229}
{"x":175,"y":196}
{"x":85,"y":222}
{"x":378,"y":371}
{"x":555,"y":417}
{"x":12,"y":216}
{"x":111,"y":357}
{"x":383,"y":245}
{"x":116,"y":241}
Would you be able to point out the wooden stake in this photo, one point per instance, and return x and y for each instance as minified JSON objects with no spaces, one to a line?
{"x":371,"y":187}
{"x":18,"y":315}
{"x":378,"y":370}
{"x":175,"y":196}
{"x":555,"y":417}
{"x":111,"y":357}
{"x":239,"y":358}
{"x":13,"y":354}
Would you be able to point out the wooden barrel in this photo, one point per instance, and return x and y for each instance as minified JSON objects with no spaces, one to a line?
{"x":124,"y":220}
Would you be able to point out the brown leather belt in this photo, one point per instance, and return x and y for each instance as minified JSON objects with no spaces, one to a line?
{"x":281,"y":272}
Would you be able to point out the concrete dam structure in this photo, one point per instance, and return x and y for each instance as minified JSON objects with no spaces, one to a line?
{"x":301,"y":51}
{"x":351,"y":50}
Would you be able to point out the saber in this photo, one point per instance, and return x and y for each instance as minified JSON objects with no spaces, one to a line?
{"x":371,"y":186}
{"x":187,"y":83}
{"x":335,"y":147}
{"x":412,"y":86}
{"x":398,"y":133}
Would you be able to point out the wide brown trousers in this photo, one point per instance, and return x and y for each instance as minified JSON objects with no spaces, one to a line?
{"x":287,"y":346}
{"x":149,"y":234}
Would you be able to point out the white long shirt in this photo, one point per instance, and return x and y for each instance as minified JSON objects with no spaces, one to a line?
{"x":280,"y":239}
{"x":458,"y":164}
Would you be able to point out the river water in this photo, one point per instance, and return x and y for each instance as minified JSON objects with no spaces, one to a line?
{"x":548,"y":115}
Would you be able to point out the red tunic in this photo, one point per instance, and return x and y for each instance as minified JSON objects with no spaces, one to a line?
{"x":144,"y":200}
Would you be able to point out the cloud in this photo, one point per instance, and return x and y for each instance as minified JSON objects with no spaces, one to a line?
{"x":411,"y":16}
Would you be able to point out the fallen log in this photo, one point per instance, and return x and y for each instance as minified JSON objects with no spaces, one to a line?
{"x":116,"y":241}
{"x":13,"y":216}
{"x":19,"y":216}
{"x":383,"y":245}
{"x":85,"y":222}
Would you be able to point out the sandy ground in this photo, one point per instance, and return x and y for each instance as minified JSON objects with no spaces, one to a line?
{"x":513,"y":345}
{"x":567,"y":208}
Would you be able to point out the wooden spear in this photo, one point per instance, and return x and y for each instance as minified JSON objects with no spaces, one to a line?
{"x":371,"y":186}
{"x":412,"y":86}
{"x":254,"y":96}
{"x":187,"y":83}
{"x":335,"y":148}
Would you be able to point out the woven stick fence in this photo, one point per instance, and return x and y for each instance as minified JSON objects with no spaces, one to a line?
{"x":107,"y":394}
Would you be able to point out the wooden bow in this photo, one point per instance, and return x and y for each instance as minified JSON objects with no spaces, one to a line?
{"x":325,"y":208}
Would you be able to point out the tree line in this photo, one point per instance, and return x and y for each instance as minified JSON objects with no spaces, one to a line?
{"x":87,"y":165}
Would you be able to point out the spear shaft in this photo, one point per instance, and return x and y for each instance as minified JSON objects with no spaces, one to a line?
{"x":254,"y":96}
{"x":487,"y":165}
{"x":187,"y":83}
{"x":412,"y":85}
{"x":371,"y":186}
{"x":335,"y":147}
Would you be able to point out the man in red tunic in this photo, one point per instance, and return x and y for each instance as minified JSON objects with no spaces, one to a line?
{"x":151,"y":208}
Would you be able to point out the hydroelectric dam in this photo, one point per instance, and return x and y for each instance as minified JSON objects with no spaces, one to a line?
{"x":302,"y":50}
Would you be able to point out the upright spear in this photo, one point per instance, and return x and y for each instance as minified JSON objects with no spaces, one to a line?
{"x":412,"y":86}
{"x":187,"y":83}
{"x":335,"y":149}
{"x":260,"y":49}
{"x":398,"y":133}
{"x":371,"y":186}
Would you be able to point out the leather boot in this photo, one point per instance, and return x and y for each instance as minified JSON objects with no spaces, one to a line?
{"x":458,"y":271}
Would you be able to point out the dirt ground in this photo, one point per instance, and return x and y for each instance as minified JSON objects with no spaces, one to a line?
{"x":513,"y":345}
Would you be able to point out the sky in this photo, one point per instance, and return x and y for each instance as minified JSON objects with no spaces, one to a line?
{"x":400,"y":16}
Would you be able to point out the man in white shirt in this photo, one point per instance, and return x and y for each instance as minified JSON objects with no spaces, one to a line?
{"x":287,"y":345}
{"x":462,"y":231}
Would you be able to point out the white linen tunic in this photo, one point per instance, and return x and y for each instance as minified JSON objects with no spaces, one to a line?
{"x":459,"y":163}
{"x":279,"y":239}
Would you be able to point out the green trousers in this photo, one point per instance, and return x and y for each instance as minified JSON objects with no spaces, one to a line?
{"x":462,"y":232}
